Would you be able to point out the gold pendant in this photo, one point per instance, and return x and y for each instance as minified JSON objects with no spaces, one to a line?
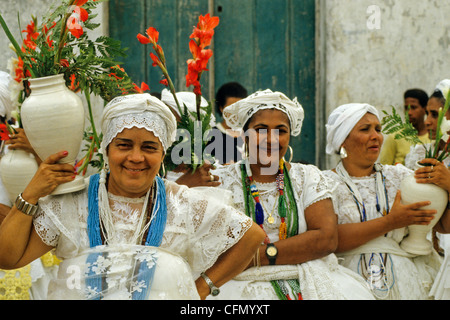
{"x":270,"y":220}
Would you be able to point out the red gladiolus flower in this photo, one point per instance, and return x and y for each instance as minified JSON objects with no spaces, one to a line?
{"x":152,"y":36}
{"x":204,"y":31}
{"x":64,"y":63}
{"x":143,"y":39}
{"x":80,"y":3}
{"x":31,"y":31}
{"x":4,"y":133}
{"x":74,"y":27}
{"x":155,"y":59}
{"x":82,"y":13}
{"x":164,"y":82}
{"x":74,"y":86}
{"x":144,"y":87}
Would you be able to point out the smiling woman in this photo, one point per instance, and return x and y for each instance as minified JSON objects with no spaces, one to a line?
{"x":135,"y":159}
{"x":131,"y":234}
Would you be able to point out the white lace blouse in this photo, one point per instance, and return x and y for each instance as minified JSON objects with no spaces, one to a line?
{"x":198,"y":229}
{"x":318,"y":279}
{"x":407,"y":277}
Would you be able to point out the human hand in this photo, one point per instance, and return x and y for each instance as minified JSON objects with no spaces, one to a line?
{"x":436,"y":172}
{"x":19,"y":141}
{"x":202,"y":177}
{"x":49,"y":175}
{"x":402,"y":215}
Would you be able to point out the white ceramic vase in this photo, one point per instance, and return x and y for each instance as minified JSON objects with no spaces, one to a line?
{"x":417,"y":242}
{"x":17,"y":168}
{"x":53,"y":119}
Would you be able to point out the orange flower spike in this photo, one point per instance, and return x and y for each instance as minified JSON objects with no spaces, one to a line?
{"x":155,"y":59}
{"x":74,"y":27}
{"x":207,"y":22}
{"x":143,"y":39}
{"x":144,"y":87}
{"x":82,"y":13}
{"x":80,"y":3}
{"x":153,"y":35}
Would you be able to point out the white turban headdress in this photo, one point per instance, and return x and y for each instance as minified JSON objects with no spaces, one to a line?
{"x":6,"y":104}
{"x":141,"y":111}
{"x":342,"y":121}
{"x":237,"y":114}
{"x":444,"y":87}
{"x":188,"y":99}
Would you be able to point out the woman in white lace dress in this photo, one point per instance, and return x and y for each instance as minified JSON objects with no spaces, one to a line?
{"x":130,"y":234}
{"x":372,"y":219}
{"x":291,"y":202}
{"x":439,"y":174}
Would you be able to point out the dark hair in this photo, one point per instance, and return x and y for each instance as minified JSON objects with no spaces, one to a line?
{"x":438,"y":95}
{"x":231,"y":89}
{"x":418,"y":94}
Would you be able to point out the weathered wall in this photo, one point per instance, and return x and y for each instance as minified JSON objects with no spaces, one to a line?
{"x":361,"y":63}
{"x":367,"y":64}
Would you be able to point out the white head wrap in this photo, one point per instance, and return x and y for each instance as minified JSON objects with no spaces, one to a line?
{"x":237,"y":114}
{"x":444,"y":87}
{"x":342,"y":121}
{"x":6,"y":105}
{"x":141,"y":111}
{"x":188,"y":99}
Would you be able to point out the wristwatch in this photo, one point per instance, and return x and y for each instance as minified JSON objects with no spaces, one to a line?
{"x":271,"y":253}
{"x":213,"y":289}
{"x":25,"y":207}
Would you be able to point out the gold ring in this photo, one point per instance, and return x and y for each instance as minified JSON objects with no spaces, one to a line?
{"x":432,"y":168}
{"x":211,"y":177}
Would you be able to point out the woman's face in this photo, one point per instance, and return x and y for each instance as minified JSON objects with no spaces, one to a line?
{"x":268,"y":137}
{"x":433,"y":106}
{"x":364,"y":142}
{"x":135,"y":157}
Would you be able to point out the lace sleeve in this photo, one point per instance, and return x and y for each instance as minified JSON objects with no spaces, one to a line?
{"x":210,"y":228}
{"x":313,"y":185}
{"x":45,"y":228}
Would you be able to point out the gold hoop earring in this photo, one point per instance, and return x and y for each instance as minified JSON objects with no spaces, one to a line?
{"x":291,"y":156}
{"x":162,"y":170}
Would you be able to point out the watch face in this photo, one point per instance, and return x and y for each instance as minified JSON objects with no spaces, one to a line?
{"x":272,"y":251}
{"x":215,"y":292}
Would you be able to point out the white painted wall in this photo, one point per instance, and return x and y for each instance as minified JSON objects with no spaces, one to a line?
{"x":360,"y":63}
{"x":410,"y":49}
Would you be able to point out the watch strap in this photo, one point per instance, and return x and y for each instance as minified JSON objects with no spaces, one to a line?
{"x":272,"y":258}
{"x":25,"y":207}
{"x":214,"y":290}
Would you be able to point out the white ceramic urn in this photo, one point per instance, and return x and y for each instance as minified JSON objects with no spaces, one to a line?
{"x":53,"y":119}
{"x":17,"y":168}
{"x":417,"y":241}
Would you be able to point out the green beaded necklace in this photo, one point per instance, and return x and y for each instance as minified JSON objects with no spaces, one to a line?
{"x":287,"y":210}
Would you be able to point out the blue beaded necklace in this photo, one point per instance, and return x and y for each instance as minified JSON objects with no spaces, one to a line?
{"x":153,"y":238}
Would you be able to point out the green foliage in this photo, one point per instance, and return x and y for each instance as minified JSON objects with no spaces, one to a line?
{"x":188,"y":127}
{"x":394,"y":124}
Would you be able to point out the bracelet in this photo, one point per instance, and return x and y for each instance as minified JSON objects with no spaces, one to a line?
{"x":25,"y":207}
{"x":212,"y":287}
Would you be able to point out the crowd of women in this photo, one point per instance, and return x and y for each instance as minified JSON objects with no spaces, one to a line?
{"x":262,"y":228}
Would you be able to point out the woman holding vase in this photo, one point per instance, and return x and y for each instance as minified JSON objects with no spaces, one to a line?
{"x":372,"y":219}
{"x":291,"y":202}
{"x":130,"y":234}
{"x":437,"y":173}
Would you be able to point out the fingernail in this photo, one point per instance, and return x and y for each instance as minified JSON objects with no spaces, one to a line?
{"x":74,"y":176}
{"x":65,"y":153}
